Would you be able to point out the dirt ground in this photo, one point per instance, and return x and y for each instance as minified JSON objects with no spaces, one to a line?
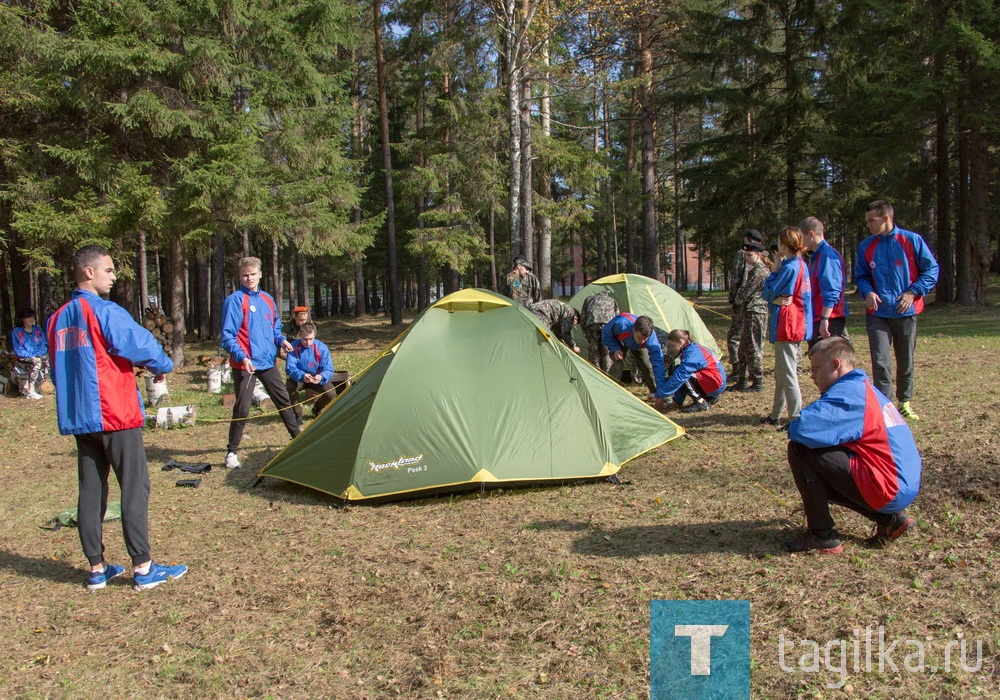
{"x":530,"y":593}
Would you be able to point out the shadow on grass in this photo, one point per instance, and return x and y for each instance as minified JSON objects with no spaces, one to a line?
{"x":42,"y":567}
{"x":746,"y":537}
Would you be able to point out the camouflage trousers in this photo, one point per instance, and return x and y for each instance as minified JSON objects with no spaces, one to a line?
{"x":733,"y":337}
{"x":597,"y":352}
{"x":36,"y":368}
{"x":750,"y":358}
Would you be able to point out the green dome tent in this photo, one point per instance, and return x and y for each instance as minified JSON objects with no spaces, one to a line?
{"x":644,"y":296}
{"x":476,"y":391}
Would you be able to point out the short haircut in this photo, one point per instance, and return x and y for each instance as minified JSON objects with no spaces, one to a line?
{"x":791,"y":237}
{"x":834,"y":348}
{"x":811,"y":223}
{"x":87,"y":256}
{"x":881,"y":207}
{"x":26,"y":313}
{"x":250,"y":262}
{"x":307,"y":328}
{"x":644,"y":325}
{"x":678,"y":334}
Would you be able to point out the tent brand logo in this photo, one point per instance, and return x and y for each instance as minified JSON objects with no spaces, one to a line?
{"x":410,"y":462}
{"x":699,"y":649}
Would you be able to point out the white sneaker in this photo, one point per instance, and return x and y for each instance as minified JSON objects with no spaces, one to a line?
{"x":232,"y":461}
{"x":33,"y":395}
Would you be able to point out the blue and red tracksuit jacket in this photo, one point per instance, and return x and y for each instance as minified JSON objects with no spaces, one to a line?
{"x":29,"y":344}
{"x":312,"y":360}
{"x":889,"y":265}
{"x":885,"y":462}
{"x":617,"y":335}
{"x":251,"y":328}
{"x":792,"y":323}
{"x":698,"y":362}
{"x":828,"y":280}
{"x":93,"y":345}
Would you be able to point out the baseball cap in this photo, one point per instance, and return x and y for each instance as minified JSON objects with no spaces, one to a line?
{"x":519,"y":260}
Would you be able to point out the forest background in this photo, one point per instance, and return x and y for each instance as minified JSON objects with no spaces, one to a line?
{"x":396,"y":151}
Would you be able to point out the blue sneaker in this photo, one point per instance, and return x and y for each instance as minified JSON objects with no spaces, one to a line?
{"x":99,"y":579}
{"x":157,"y":575}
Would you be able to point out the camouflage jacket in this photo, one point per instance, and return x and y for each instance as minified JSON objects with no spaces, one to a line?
{"x":748,"y":296}
{"x":524,"y":290}
{"x":290,"y":329}
{"x":737,"y":275}
{"x":598,"y":309}
{"x":558,"y":316}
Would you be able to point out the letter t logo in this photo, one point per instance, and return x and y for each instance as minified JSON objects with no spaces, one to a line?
{"x":701,"y":645}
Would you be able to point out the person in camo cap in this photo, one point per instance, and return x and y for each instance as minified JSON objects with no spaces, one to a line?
{"x":521,"y":284}
{"x":559,"y":317}
{"x":597,"y":310}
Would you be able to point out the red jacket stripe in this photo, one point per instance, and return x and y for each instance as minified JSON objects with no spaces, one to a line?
{"x":116,"y":383}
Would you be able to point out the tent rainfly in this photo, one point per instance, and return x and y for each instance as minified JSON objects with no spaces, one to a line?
{"x":644,"y":296}
{"x":475,"y":392}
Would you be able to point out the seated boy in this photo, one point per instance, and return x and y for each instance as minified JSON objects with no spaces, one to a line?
{"x":309,"y":363}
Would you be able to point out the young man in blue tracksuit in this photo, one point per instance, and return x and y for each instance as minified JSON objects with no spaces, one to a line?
{"x":32,"y":352}
{"x":93,"y":345}
{"x":894,"y":271}
{"x":251,"y":334}
{"x":635,"y":334}
{"x":828,"y":281}
{"x":309,"y":364}
{"x":851,"y":447}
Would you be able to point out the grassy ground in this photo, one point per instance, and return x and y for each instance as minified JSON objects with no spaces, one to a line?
{"x":536,"y":593}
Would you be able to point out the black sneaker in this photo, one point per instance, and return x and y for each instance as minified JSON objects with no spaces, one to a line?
{"x":894,"y":529}
{"x":767,"y":420}
{"x":696,"y":407}
{"x":712,"y":400}
{"x":808,"y":542}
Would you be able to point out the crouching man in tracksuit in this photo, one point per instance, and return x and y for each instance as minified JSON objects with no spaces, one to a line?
{"x":93,"y":345}
{"x":699,"y":375}
{"x":853,"y":448}
{"x":309,"y":363}
{"x":638,"y":336}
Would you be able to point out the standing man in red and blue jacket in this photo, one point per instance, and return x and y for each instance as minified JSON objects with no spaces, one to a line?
{"x":853,"y":448}
{"x":93,"y":345}
{"x":894,"y":271}
{"x":637,"y":335}
{"x":828,"y":281}
{"x":309,"y":363}
{"x":251,"y":334}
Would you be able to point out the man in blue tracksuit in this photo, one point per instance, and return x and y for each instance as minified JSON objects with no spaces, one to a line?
{"x":93,"y":345}
{"x":828,"y":280}
{"x":251,"y":334}
{"x":32,"y":352}
{"x":853,"y":448}
{"x":637,"y":335}
{"x":309,"y":363}
{"x":894,"y":271}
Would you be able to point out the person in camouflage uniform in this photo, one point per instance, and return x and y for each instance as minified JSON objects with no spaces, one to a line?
{"x":737,"y":277}
{"x":752,"y":310}
{"x":597,"y":310}
{"x":559,"y":317}
{"x":290,"y":328}
{"x":521,"y":284}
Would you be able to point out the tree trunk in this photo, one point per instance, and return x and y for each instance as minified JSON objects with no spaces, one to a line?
{"x":512,"y":77}
{"x":393,"y":293}
{"x":628,"y":190}
{"x":650,"y":230}
{"x":142,"y":268}
{"x":545,"y":184}
{"x":218,"y":283}
{"x":360,"y":297}
{"x":963,"y":273}
{"x":494,"y":281}
{"x":20,"y":275}
{"x":204,"y":297}
{"x":946,"y":277}
{"x":302,"y":283}
{"x":6,"y":312}
{"x":527,"y":189}
{"x":979,"y":215}
{"x":178,"y":302}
